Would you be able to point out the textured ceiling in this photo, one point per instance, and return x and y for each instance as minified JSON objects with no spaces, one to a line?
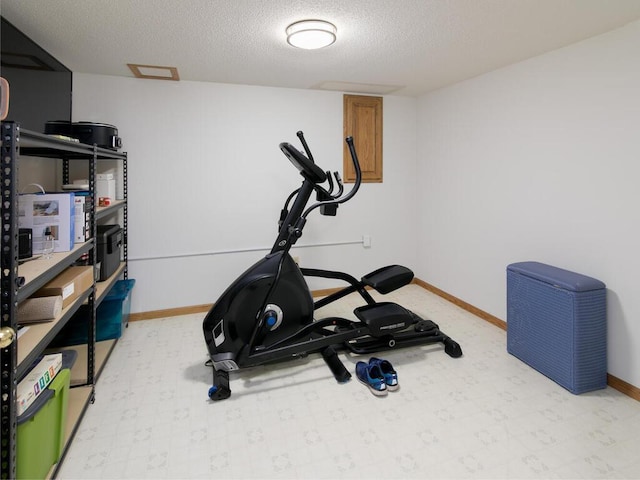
{"x":407,"y":47}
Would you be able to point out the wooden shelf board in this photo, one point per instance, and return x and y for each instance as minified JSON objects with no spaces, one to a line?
{"x":79,"y":369}
{"x":39,"y":271}
{"x":32,"y":334}
{"x":79,"y":398}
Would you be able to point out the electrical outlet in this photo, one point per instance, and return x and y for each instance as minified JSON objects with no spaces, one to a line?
{"x":366,"y":241}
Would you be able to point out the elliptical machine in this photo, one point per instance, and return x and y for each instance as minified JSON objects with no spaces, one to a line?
{"x":267,"y":314}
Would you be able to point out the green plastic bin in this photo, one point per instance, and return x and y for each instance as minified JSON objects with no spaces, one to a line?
{"x":41,"y":430}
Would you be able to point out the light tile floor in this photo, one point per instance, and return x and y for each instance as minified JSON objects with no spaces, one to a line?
{"x":484,"y":415}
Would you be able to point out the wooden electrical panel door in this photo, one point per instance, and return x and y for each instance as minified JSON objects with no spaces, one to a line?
{"x":363,"y":121}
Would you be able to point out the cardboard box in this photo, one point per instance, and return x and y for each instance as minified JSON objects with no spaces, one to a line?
{"x":37,"y":380}
{"x":70,"y":284}
{"x":53,"y":210}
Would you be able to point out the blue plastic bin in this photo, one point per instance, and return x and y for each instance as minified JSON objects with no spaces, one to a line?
{"x":113,"y":313}
{"x":112,"y":316}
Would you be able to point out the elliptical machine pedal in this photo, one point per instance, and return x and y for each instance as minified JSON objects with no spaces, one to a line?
{"x":387,"y":279}
{"x":384,"y":318}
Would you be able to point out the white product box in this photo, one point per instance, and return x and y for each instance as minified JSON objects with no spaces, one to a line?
{"x":82,"y":231}
{"x":115,"y":168}
{"x":54,"y":210}
{"x":106,"y":186}
{"x":37,"y":380}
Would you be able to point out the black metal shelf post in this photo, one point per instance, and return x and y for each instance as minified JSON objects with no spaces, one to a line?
{"x":91,"y":334}
{"x":125,"y":217}
{"x":10,"y":285}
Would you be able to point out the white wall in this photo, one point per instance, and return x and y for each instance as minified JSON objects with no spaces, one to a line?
{"x":538,"y":161}
{"x":206,"y":176}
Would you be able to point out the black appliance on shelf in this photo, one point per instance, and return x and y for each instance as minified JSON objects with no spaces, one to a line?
{"x":102,"y":134}
{"x":108,"y":246}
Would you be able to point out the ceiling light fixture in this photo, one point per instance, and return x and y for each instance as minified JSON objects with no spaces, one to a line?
{"x":311,"y":34}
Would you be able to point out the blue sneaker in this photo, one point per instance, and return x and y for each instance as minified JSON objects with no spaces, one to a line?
{"x":388,"y":373}
{"x":371,"y":376}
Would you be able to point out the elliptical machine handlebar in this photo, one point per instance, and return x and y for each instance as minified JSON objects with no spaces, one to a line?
{"x":304,"y":145}
{"x":340,"y":185}
{"x":338,"y":199}
{"x":329,"y":193}
{"x":296,"y":231}
{"x":292,"y":221}
{"x":336,"y":175}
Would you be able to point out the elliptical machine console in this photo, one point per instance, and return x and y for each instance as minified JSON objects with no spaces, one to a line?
{"x":267,"y":313}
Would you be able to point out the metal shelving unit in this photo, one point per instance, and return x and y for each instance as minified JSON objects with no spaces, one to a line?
{"x":19,"y":282}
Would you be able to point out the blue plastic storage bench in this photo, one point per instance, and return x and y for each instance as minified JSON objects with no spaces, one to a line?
{"x":557,"y":324}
